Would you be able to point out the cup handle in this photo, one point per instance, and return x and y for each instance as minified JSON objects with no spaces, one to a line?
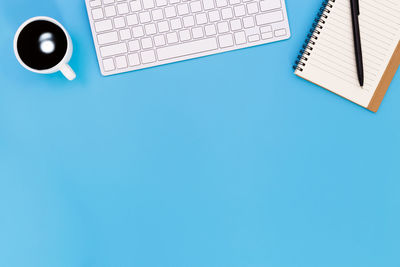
{"x":68,"y":72}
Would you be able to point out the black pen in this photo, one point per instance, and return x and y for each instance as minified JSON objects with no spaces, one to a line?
{"x":355,"y":12}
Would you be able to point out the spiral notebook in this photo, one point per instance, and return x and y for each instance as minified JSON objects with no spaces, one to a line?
{"x":328,"y":60}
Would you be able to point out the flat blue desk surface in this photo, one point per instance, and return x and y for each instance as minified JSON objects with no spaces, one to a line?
{"x":229,"y":160}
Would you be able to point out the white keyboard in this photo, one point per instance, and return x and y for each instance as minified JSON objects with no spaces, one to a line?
{"x":136,"y":34}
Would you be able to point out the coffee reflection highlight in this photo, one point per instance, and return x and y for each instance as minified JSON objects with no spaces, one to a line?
{"x":47,"y":43}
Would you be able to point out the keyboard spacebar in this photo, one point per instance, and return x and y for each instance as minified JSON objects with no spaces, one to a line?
{"x":186,"y":49}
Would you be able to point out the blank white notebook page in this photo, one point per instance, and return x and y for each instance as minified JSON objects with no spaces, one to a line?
{"x":332,"y":61}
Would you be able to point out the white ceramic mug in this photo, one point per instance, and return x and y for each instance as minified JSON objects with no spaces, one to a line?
{"x":62,"y":64}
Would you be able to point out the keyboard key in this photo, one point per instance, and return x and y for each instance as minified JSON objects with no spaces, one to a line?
{"x":208,"y":4}
{"x":225,"y":40}
{"x":137,"y":31}
{"x":240,"y":38}
{"x":248,"y":22}
{"x":234,"y":2}
{"x":280,"y":32}
{"x":176,"y":24}
{"x":195,"y":6}
{"x":184,"y":35}
{"x":123,"y":8}
{"x":223,"y":27}
{"x":134,"y":45}
{"x":266,"y":5}
{"x":214,"y":16}
{"x":95,"y":3}
{"x":132,"y":19}
{"x":148,"y":56}
{"x":108,"y":64}
{"x":266,"y":29}
{"x":110,"y":11}
{"x":97,"y":13}
{"x":187,"y":49}
{"x":183,"y":9}
{"x":106,"y":2}
{"x":201,"y":18}
{"x":210,"y":30}
{"x":239,"y":11}
{"x":170,"y":12}
{"x":121,"y":62}
{"x":172,"y":37}
{"x":222,"y":3}
{"x":144,"y":17}
{"x":119,"y":22}
{"x":254,"y":38}
{"x":227,"y":13}
{"x":161,"y":2}
{"x":150,"y":29}
{"x":157,"y":14}
{"x":112,"y":50}
{"x":125,"y":34}
{"x":163,"y":26}
{"x":159,"y":40}
{"x":104,"y":25}
{"x":147,"y":4}
{"x":136,"y":5}
{"x":236,"y":24}
{"x":107,"y":38}
{"x":267,"y":35}
{"x":269,"y":18}
{"x":147,"y":43}
{"x":188,"y":21}
{"x":197,"y":32}
{"x":133,"y":59}
{"x":252,"y":8}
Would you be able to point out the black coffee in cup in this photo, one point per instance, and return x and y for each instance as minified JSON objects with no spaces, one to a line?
{"x":42,"y":45}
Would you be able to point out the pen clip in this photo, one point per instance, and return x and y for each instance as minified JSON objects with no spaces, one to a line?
{"x":357,"y":7}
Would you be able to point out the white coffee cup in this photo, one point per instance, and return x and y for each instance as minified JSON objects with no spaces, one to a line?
{"x":46,"y":53}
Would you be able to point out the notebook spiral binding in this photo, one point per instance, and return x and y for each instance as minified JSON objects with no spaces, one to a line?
{"x":312,"y":37}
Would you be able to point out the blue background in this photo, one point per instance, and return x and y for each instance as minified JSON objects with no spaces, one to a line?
{"x":229,"y":160}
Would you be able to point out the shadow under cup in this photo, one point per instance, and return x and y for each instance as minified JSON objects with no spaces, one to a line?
{"x":42,"y":45}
